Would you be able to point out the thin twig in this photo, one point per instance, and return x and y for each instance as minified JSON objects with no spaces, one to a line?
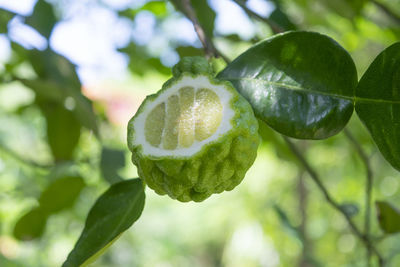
{"x":387,"y":10}
{"x":368,"y":188}
{"x":191,"y":14}
{"x":315,"y":177}
{"x":206,"y":41}
{"x":274,"y":27}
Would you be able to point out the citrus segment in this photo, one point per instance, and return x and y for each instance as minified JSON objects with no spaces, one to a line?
{"x":188,"y":116}
{"x":208,"y":113}
{"x":187,"y":122}
{"x":170,"y":135}
{"x":155,"y":125}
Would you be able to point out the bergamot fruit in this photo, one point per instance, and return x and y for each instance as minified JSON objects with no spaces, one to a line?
{"x":195,"y":137}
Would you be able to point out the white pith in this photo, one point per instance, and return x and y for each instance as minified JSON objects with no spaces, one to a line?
{"x":198,"y":82}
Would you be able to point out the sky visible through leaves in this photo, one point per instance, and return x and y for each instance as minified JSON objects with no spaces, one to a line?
{"x":94,"y":35}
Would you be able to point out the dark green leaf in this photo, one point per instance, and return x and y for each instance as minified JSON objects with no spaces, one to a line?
{"x":51,"y":66}
{"x":282,"y":20}
{"x":45,"y":90}
{"x":63,"y":130}
{"x":113,"y":213}
{"x":300,"y":83}
{"x":43,"y":18}
{"x":205,"y":15}
{"x":378,"y":103}
{"x":350,"y":209}
{"x":5,"y":17}
{"x":189,"y":51}
{"x":111,"y":161}
{"x":31,"y":225}
{"x":388,"y":217}
{"x":61,"y":194}
{"x":60,"y":81}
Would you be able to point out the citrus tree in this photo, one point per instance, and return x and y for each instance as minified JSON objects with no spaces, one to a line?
{"x":318,"y":82}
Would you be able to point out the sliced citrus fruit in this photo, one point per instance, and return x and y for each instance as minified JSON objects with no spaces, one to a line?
{"x":195,"y":137}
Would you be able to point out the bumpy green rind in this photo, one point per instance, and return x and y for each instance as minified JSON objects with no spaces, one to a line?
{"x":193,"y":65}
{"x":219,"y":166}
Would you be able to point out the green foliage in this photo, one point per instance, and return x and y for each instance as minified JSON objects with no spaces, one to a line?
{"x":43,"y":18}
{"x":388,"y":217}
{"x":61,"y":194}
{"x":158,"y":8}
{"x":141,"y":62}
{"x":5,"y":17}
{"x":378,"y":103}
{"x":31,"y":225}
{"x":299,"y":83}
{"x":63,"y":130}
{"x":111,"y":161}
{"x":112,"y":214}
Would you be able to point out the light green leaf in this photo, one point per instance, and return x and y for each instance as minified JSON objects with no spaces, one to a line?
{"x":378,"y":103}
{"x":63,"y":130}
{"x":31,"y":225}
{"x":61,"y":194}
{"x":388,"y":217}
{"x":113,"y":213}
{"x":300,"y":83}
{"x":158,"y":8}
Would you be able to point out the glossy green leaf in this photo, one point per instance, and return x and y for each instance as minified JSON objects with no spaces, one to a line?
{"x":388,"y":217}
{"x":43,"y":18}
{"x":31,"y":225}
{"x":113,"y":213}
{"x":111,"y":161}
{"x":63,"y":130}
{"x":300,"y":83}
{"x":61,"y":194}
{"x":378,"y":103}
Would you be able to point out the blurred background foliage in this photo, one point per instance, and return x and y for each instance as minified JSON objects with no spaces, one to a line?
{"x":73,"y":73}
